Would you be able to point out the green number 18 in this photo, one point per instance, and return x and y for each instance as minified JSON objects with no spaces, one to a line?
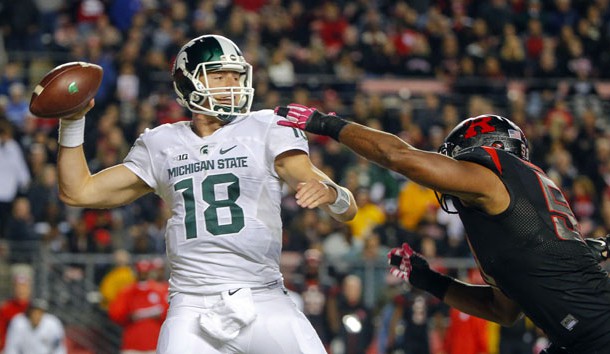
{"x":211,"y":212}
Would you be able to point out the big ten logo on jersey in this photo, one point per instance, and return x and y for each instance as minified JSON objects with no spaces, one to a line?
{"x":181,"y":157}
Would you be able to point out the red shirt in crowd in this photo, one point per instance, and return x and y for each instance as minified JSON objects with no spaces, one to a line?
{"x":141,"y":309}
{"x":466,"y":334}
{"x":9,"y":309}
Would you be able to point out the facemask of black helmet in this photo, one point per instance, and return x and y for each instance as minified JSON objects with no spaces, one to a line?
{"x":485,"y":130}
{"x":195,"y":61}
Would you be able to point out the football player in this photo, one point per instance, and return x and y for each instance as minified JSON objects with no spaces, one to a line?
{"x":222,"y":174}
{"x":519,"y":226}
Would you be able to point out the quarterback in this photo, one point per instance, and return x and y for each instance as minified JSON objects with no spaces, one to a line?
{"x":222,"y":174}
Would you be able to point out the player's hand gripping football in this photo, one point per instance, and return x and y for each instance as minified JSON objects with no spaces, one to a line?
{"x":82,"y":112}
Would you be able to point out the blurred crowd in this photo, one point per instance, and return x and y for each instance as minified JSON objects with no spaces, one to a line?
{"x":318,"y":53}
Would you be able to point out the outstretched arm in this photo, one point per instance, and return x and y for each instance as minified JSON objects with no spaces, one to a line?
{"x":109,"y":188}
{"x":472,"y":183}
{"x":482,"y":301}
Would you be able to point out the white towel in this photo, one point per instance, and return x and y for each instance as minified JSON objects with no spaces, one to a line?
{"x":228,"y":316}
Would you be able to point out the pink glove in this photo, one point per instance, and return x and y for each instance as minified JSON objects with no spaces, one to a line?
{"x":400,"y":260}
{"x":301,"y":117}
{"x":412,"y":267}
{"x":296,"y":115}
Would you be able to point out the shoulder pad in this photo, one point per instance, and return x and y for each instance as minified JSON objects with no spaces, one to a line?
{"x":483,"y":155}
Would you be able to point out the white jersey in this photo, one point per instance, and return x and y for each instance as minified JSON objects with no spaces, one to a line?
{"x":225,"y":230}
{"x":46,"y":338}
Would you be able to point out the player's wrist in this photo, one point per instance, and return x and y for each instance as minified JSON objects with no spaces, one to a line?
{"x":342,"y":201}
{"x":325,"y":124}
{"x":424,"y":278}
{"x":71,"y":132}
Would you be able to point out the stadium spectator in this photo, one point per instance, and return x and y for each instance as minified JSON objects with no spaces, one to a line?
{"x":414,"y":201}
{"x":410,"y":323}
{"x":20,"y":228}
{"x":314,"y":292}
{"x":36,"y":331}
{"x":119,"y":277}
{"x":369,"y":256}
{"x":368,"y":217}
{"x":44,"y":196}
{"x":466,"y":334}
{"x":350,"y":320}
{"x":21,"y":280}
{"x":140,"y":308}
{"x":15,"y":175}
{"x":21,"y":25}
{"x":17,"y":110}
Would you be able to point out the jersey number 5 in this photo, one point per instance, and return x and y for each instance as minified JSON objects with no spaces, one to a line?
{"x":208,"y":186}
{"x":562,"y":216}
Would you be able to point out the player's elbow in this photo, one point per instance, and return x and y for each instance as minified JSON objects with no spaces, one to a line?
{"x":66,"y":199}
{"x":509,"y":318}
{"x":70,"y":199}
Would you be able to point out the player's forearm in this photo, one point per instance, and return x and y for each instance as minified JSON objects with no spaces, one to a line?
{"x":375,"y":145}
{"x":73,"y":174}
{"x":395,"y":154}
{"x":479,"y":301}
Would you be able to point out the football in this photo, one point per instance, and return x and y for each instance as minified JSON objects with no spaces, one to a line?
{"x":66,"y":89}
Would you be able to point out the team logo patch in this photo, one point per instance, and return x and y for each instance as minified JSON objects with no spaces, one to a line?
{"x":569,"y":322}
{"x":181,"y":157}
{"x":479,"y":126}
{"x":224,"y":151}
{"x":204,"y":150}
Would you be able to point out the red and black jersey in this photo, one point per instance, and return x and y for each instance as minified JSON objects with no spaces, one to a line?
{"x":534,"y":253}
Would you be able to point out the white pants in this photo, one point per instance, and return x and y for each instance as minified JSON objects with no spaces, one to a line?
{"x":279,"y":327}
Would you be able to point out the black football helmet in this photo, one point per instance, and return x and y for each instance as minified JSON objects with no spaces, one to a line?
{"x":201,"y":56}
{"x":486,"y":130}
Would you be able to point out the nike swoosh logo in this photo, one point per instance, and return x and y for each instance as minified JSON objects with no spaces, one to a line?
{"x":222,"y":152}
{"x":236,"y":290}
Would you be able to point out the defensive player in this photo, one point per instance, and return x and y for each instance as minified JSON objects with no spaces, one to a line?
{"x":520,"y":227}
{"x":222,"y":174}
